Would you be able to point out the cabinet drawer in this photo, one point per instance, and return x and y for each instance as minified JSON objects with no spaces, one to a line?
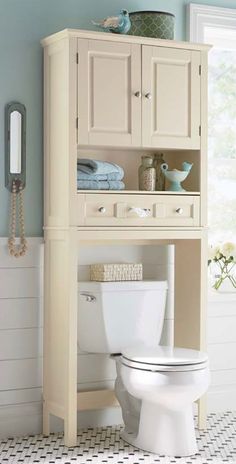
{"x":119,"y":210}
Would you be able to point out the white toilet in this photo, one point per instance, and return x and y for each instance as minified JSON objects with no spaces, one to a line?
{"x":156,"y":385}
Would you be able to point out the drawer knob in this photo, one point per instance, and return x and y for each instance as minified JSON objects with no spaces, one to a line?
{"x":137,"y":94}
{"x":148,"y":96}
{"x":179,"y":210}
{"x":102,"y":209}
{"x":89,"y":298}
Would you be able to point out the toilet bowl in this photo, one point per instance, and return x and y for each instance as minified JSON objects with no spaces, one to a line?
{"x":156,"y":386}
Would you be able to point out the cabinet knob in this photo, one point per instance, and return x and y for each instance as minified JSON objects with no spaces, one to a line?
{"x":179,"y":210}
{"x":148,"y":96}
{"x":102,"y":209}
{"x":89,"y":298}
{"x":137,"y":94}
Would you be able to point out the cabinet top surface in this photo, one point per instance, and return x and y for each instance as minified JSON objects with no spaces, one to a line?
{"x":83,"y":34}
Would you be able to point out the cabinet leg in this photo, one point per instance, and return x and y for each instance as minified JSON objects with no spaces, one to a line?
{"x":202,"y":413}
{"x":46,"y":421}
{"x":70,"y":430}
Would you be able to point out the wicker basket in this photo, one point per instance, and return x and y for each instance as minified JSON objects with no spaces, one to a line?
{"x":116,"y":272}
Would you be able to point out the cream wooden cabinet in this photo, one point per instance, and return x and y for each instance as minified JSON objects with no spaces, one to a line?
{"x":111,"y":97}
{"x":138,"y":96}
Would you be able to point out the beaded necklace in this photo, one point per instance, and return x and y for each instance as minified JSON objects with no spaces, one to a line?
{"x":14,"y":249}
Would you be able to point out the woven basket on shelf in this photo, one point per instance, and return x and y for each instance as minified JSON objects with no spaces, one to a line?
{"x":116,"y":272}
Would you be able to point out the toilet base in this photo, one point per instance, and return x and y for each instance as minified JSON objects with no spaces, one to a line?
{"x":163,"y":431}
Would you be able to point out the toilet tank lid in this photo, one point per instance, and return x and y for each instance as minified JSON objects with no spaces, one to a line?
{"x":92,"y":286}
{"x":164,"y":355}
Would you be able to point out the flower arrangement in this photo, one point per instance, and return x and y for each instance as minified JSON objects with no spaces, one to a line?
{"x":224,"y":257}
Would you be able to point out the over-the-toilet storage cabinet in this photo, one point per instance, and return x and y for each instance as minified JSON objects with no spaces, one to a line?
{"x":117,"y":97}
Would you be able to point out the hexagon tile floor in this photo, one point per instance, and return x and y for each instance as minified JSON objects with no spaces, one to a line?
{"x":103,"y":445}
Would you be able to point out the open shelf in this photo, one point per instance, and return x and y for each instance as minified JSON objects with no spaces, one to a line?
{"x":130,"y":161}
{"x":137,"y":192}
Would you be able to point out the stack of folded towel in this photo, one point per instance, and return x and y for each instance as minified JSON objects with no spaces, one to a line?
{"x":99,"y":175}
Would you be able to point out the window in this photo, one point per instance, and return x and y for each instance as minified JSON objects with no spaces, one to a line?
{"x":217,"y":26}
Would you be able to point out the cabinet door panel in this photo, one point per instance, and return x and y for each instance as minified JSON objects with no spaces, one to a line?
{"x":109,"y":75}
{"x":171,"y":117}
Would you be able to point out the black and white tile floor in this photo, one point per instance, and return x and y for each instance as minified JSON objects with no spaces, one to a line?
{"x":103,"y":445}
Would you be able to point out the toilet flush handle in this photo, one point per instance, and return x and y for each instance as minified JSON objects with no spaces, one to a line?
{"x":89,"y":298}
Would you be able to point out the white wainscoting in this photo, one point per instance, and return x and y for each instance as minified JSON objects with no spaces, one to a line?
{"x":222,"y":351}
{"x":21,"y":323}
{"x":21,"y":340}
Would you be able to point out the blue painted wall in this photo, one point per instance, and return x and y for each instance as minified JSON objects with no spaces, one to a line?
{"x":22,"y":24}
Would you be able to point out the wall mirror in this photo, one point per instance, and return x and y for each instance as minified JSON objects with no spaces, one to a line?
{"x":15,"y":144}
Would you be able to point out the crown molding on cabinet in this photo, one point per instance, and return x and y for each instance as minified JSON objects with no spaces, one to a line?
{"x":79,"y":33}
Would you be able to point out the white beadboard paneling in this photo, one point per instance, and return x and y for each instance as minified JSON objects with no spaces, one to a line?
{"x":220,"y":400}
{"x":32,"y":395}
{"x":20,"y":420}
{"x":21,"y":339}
{"x":217,"y":296}
{"x":27,"y":395}
{"x":32,"y":258}
{"x":91,"y":386}
{"x":20,"y":313}
{"x":21,"y":373}
{"x":160,"y":272}
{"x":222,"y":357}
{"x":222,"y":330}
{"x":222,"y":308}
{"x":95,"y":367}
{"x":109,"y":253}
{"x":21,"y":343}
{"x":147,"y":254}
{"x":224,"y":377}
{"x":19,"y":283}
{"x":153,"y":254}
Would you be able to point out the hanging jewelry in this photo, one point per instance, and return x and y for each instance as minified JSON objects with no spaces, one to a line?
{"x":14,"y":249}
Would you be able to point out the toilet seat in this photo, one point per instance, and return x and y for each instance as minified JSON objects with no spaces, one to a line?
{"x":164,"y":358}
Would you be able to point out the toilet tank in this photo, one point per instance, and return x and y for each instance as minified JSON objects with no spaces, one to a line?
{"x":115,"y":315}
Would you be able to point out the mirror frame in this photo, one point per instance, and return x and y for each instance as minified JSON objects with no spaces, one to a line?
{"x":19,"y":178}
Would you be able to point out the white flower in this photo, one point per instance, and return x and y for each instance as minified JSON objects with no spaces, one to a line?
{"x":214,"y":252}
{"x":228,"y":249}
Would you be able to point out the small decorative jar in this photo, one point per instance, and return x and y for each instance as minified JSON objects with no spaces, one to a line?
{"x":160,"y":176}
{"x":147,"y":174}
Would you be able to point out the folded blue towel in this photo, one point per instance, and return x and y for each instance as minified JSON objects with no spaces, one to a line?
{"x":110,"y":176}
{"x":100,"y":185}
{"x":98,"y":167}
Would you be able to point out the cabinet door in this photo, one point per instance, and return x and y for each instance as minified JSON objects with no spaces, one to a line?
{"x":171,"y":98}
{"x":109,"y":76}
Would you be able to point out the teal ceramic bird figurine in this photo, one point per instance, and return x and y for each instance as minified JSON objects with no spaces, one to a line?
{"x":118,"y":24}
